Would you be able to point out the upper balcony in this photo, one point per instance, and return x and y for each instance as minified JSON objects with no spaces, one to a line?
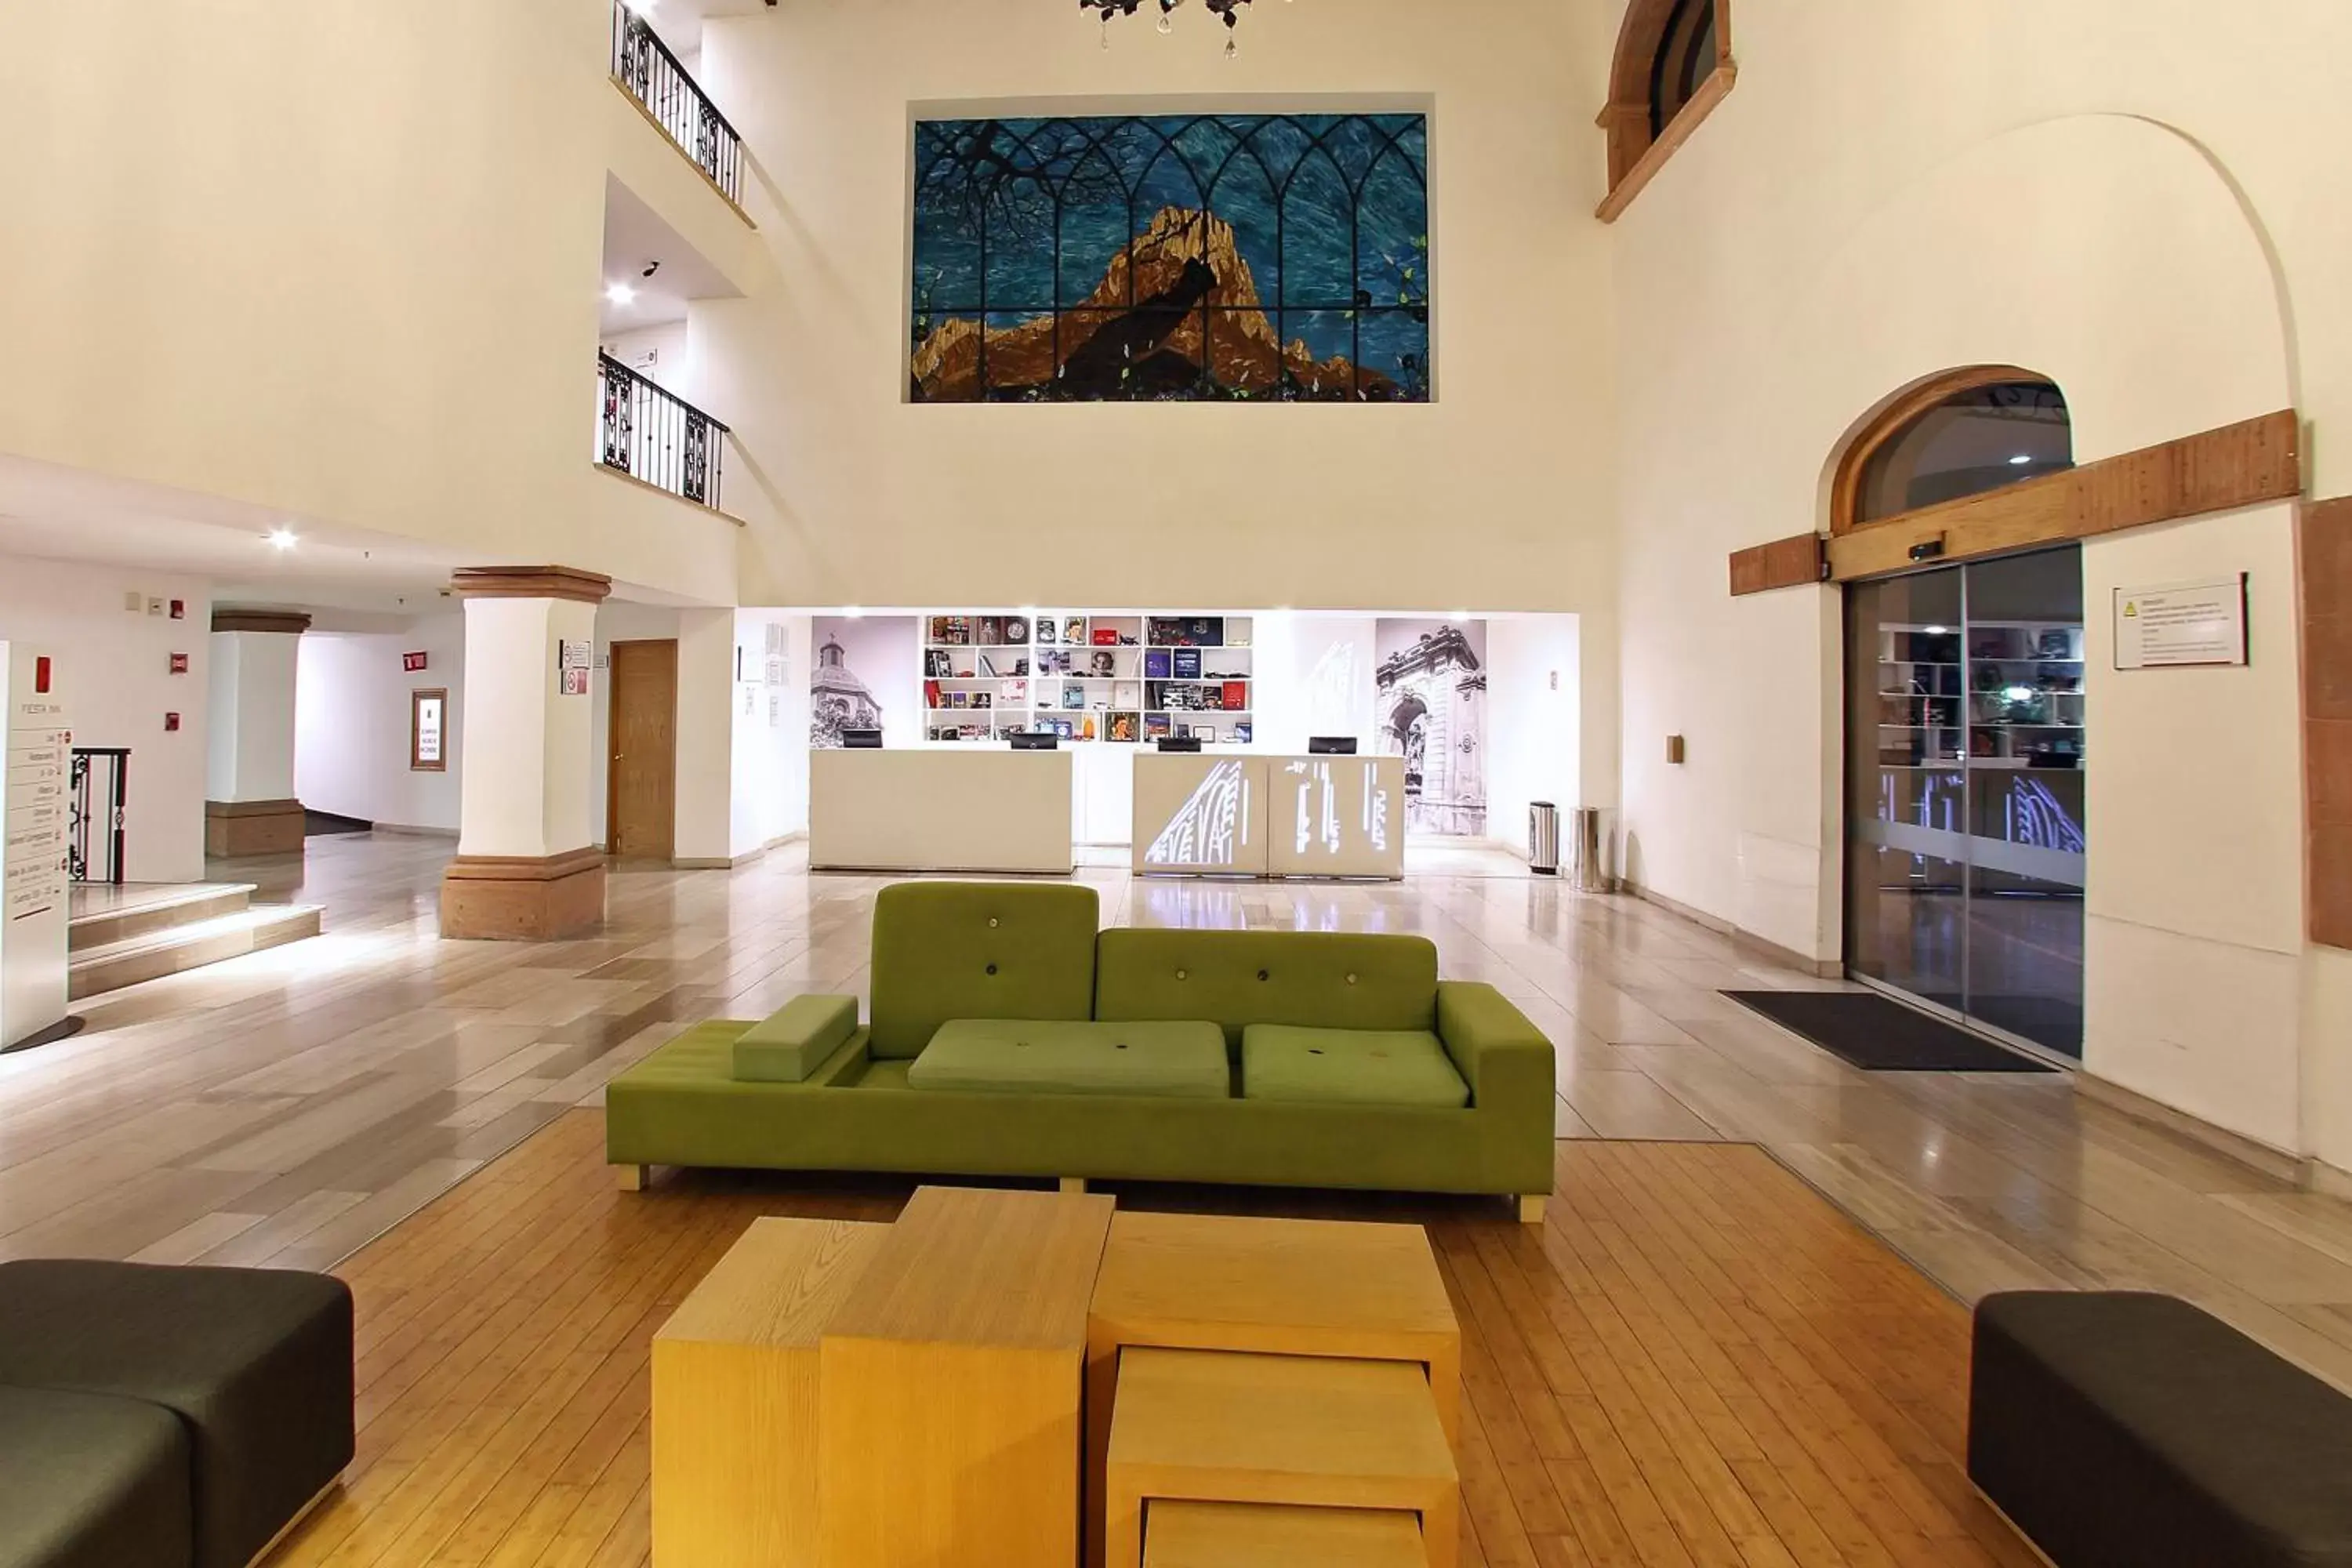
{"x":646,"y":69}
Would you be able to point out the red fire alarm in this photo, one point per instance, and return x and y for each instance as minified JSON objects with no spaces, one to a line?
{"x":179,"y":609}
{"x":179,"y":663}
{"x":412,"y":662}
{"x":171,"y":723}
{"x":40,"y":674}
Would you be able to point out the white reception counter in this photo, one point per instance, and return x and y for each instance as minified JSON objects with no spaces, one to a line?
{"x":940,"y":810}
{"x":1239,"y":814}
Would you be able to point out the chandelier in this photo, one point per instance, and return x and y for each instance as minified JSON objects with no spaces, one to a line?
{"x":1230,"y":10}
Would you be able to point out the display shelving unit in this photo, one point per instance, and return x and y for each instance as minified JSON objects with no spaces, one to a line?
{"x":1118,"y":679}
{"x":1197,"y":678}
{"x":2006,"y":694}
{"x":976,"y":676}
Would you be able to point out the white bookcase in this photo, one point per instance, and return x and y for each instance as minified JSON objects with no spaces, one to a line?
{"x":988,"y":674}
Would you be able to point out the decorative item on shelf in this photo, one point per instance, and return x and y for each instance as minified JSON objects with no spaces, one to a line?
{"x":1187,"y":664}
{"x":1086,"y":731}
{"x":1074,"y":629}
{"x":1155,"y":664}
{"x":1236,"y":695}
{"x":959,"y":699}
{"x":1102,"y":667}
{"x":1049,"y":630}
{"x":1127,"y":694}
{"x":982,"y":699}
{"x":1242,"y":733}
{"x":987,"y":667}
{"x":1155,"y":725}
{"x":1016,"y":628}
{"x":1123,"y":726}
{"x":931,"y":694}
{"x":1074,"y":696}
{"x":991,"y":630}
{"x":1105,"y":636}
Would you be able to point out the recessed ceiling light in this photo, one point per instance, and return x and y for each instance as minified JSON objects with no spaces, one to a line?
{"x":619,"y":293}
{"x":284,"y":538}
{"x":2021,"y":460}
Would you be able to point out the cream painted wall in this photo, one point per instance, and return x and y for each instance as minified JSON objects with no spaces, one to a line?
{"x":1533,"y":688}
{"x":1497,"y":495}
{"x":424,"y":198}
{"x":672,"y":366}
{"x":2116,"y":194}
{"x":770,"y":760}
{"x":114,"y":670}
{"x":249,"y":717}
{"x":352,"y":723}
{"x":526,"y":790}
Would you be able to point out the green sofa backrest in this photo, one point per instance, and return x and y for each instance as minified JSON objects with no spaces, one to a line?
{"x":1236,"y":978}
{"x":978,"y":950}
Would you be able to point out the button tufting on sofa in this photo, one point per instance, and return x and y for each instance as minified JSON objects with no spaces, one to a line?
{"x":991,"y":922}
{"x":992,"y":969}
{"x":1262,"y":974}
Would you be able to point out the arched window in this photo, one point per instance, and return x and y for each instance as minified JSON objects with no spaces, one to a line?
{"x":1953,"y":436}
{"x":1672,"y":65}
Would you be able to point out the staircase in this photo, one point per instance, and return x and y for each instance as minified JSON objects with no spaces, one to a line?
{"x":121,"y":935}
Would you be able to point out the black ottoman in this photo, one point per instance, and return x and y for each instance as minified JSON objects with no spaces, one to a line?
{"x":91,"y":1481}
{"x":256,"y":1361}
{"x":2120,"y":1430}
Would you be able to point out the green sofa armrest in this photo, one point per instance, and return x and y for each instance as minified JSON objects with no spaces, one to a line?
{"x":1503,"y":1057}
{"x":791,"y":1042}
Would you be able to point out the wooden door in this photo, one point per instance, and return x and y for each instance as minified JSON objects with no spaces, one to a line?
{"x":640,"y":772}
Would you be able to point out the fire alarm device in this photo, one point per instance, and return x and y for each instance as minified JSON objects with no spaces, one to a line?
{"x":179,"y":609}
{"x":171,"y":723}
{"x":410,"y":663}
{"x":40,"y":675}
{"x":179,"y":663}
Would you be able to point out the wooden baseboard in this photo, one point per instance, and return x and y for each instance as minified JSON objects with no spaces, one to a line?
{"x":235,"y":828}
{"x":2276,"y":1164}
{"x":2319,"y":1176}
{"x":718,"y":863}
{"x":1787,"y":957}
{"x":411,"y":830}
{"x":499,"y":897}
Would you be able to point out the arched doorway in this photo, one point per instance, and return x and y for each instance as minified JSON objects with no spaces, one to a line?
{"x":1966,"y":726}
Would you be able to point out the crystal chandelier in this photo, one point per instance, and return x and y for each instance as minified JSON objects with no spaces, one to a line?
{"x":1230,"y":10}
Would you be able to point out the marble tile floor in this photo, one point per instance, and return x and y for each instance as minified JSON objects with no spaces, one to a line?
{"x":287,"y":1107}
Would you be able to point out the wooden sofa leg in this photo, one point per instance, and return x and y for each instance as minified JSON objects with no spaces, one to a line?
{"x":1073,"y":1183}
{"x":1531,"y":1207}
{"x":632,"y":1178}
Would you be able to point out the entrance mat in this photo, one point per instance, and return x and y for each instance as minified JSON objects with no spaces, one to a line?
{"x":1878,"y":1035}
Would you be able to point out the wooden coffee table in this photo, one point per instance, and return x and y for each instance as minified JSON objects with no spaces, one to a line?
{"x":1280,"y":1287}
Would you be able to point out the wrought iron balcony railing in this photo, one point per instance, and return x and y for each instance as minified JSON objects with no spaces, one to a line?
{"x":97,"y":805}
{"x":643,"y":64}
{"x":655,"y":435}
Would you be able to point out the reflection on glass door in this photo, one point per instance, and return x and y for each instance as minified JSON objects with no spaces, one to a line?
{"x":1965,"y":759}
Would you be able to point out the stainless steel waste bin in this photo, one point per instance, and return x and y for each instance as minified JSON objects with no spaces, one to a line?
{"x":1590,"y":871}
{"x":1543,"y":838}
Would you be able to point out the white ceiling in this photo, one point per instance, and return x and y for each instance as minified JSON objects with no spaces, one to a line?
{"x":635,"y":234}
{"x":680,"y":22}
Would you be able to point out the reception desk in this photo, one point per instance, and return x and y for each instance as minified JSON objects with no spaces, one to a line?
{"x":940,"y":810}
{"x":1237,"y":813}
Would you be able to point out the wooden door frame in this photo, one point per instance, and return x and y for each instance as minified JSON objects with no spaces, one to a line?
{"x":613,"y":743}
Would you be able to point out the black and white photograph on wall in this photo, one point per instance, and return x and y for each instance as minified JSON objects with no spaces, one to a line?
{"x":862,"y":679}
{"x":1429,"y":704}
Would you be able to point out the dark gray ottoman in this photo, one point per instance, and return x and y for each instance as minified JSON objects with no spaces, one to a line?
{"x":2120,"y":1430}
{"x":91,"y":1481}
{"x":256,"y":1361}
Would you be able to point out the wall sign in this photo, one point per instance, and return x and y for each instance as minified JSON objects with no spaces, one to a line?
{"x":38,"y":749}
{"x":410,"y":663}
{"x":572,"y":667}
{"x":428,"y":726}
{"x":2184,"y":624}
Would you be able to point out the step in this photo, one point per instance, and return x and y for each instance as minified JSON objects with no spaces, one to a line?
{"x":1304,"y":1431}
{"x":104,"y":914}
{"x":175,"y":949}
{"x":1264,"y":1535}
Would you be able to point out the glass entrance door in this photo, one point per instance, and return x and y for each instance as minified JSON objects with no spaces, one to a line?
{"x":1965,"y":758}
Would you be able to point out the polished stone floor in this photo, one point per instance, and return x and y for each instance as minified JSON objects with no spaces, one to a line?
{"x":287,"y":1107}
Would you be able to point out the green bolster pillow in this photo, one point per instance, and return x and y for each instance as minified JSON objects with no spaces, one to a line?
{"x":793,"y":1040}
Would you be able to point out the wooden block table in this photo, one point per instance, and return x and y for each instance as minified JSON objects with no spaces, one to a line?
{"x":1258,"y":1535}
{"x":1286,"y":1287}
{"x":1313,"y":1431}
{"x":735,"y":1446}
{"x":952,"y":1381}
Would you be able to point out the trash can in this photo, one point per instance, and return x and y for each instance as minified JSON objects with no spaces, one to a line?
{"x":1591,"y":873}
{"x":1543,"y":838}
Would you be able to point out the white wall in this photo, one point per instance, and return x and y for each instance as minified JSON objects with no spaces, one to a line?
{"x":769,"y":761}
{"x":669,"y":366}
{"x":1533,"y":697}
{"x":114,"y":670}
{"x":1498,"y":494}
{"x":2116,"y":194}
{"x":249,"y":727}
{"x":352,"y":725}
{"x":617,"y":620}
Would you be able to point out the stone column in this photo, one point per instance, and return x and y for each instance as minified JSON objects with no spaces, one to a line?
{"x":527,"y":869}
{"x":250,"y":805}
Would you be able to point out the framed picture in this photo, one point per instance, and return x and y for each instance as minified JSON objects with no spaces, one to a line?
{"x":428,"y":731}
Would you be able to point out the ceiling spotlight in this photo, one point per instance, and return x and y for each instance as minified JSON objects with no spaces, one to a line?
{"x":651,"y":267}
{"x":284,"y":538}
{"x":619,"y":293}
{"x":2021,"y":460}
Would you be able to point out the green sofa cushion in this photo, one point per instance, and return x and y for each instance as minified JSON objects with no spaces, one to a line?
{"x":792,"y":1041}
{"x":1238,"y":978}
{"x":1017,"y":1057}
{"x":978,"y":950}
{"x":1350,"y":1067}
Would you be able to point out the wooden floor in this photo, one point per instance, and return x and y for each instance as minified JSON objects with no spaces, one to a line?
{"x":1696,"y":1361}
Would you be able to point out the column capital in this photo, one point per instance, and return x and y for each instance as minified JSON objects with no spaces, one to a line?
{"x":225,"y":619}
{"x":530,"y":583}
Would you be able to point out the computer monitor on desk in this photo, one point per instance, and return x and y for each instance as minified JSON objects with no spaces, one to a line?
{"x":1179,"y":742}
{"x":861,"y":739}
{"x":1330,"y":745}
{"x":1035,"y":741}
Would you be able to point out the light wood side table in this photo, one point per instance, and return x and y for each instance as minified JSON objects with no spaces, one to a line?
{"x":1262,"y":1535}
{"x":735,"y":1370}
{"x":1309,"y":1431}
{"x":951,"y":1382}
{"x":1284,"y":1287}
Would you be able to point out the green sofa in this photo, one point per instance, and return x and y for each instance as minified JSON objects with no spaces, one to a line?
{"x":1008,"y":1037}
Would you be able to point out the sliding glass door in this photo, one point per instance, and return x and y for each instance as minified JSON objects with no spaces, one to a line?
{"x":1965,"y":760}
